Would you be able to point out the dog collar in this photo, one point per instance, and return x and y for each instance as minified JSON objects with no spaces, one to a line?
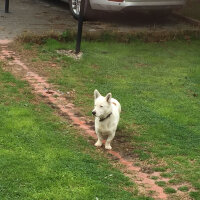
{"x":101,"y":120}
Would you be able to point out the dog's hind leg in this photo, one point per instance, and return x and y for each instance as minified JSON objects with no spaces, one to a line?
{"x":99,"y":141}
{"x":108,"y":141}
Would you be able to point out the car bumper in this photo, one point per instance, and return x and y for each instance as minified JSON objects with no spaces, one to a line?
{"x":136,"y":4}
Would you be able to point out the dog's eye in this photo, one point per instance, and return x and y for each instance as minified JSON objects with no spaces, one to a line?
{"x":101,"y":106}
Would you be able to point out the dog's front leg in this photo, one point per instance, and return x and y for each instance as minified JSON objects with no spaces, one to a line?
{"x":100,"y":139}
{"x":108,"y":141}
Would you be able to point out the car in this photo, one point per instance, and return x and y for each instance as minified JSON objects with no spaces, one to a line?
{"x":161,"y":7}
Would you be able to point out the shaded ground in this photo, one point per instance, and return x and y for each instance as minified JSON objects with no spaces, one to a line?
{"x":41,"y":16}
{"x":192,"y":9}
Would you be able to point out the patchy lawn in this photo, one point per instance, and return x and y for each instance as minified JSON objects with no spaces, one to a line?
{"x":42,"y":158}
{"x":157,"y":85}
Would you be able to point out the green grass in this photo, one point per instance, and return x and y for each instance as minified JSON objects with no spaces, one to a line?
{"x":160,"y":169}
{"x":157,"y":85}
{"x":174,"y":181}
{"x":155,"y":177}
{"x":42,"y":157}
{"x":161,"y":183}
{"x":183,"y":188}
{"x":194,"y":195}
{"x":169,"y":190}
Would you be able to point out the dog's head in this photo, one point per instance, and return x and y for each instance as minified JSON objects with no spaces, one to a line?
{"x":102,"y":105}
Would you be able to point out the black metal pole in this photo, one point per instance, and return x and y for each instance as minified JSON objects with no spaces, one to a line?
{"x":6,"y":6}
{"x":80,"y":27}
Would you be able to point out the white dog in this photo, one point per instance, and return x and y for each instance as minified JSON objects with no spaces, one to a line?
{"x":107,"y":113}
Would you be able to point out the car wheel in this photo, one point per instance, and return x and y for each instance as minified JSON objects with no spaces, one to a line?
{"x":75,"y":6}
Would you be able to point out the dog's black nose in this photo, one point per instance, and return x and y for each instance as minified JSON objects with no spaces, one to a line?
{"x":93,"y":112}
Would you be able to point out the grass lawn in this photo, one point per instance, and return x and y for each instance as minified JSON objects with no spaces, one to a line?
{"x":192,"y":9}
{"x":42,"y":157}
{"x":158,"y":86}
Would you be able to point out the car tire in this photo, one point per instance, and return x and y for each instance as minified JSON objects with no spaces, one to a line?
{"x":75,"y":8}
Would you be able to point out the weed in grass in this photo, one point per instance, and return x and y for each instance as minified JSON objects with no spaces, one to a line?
{"x":154,"y":177}
{"x":28,"y":46}
{"x":195,"y":195}
{"x":174,"y":181}
{"x":142,"y":155}
{"x":151,"y":192}
{"x":169,"y":190}
{"x":137,"y":164}
{"x":167,"y":175}
{"x":183,"y":188}
{"x":161,"y":183}
{"x":160,"y":169}
{"x":34,"y":60}
{"x":197,"y":185}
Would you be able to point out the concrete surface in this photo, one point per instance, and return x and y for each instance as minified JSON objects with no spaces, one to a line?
{"x":33,"y":15}
{"x":40,"y":16}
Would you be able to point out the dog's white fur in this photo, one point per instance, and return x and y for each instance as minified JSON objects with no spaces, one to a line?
{"x":107,"y":113}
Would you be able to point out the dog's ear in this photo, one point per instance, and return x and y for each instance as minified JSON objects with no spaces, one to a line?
{"x":96,"y":94}
{"x":108,"y":97}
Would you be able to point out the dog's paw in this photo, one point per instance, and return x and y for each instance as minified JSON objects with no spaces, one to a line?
{"x":98,"y":144}
{"x":108,"y":147}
